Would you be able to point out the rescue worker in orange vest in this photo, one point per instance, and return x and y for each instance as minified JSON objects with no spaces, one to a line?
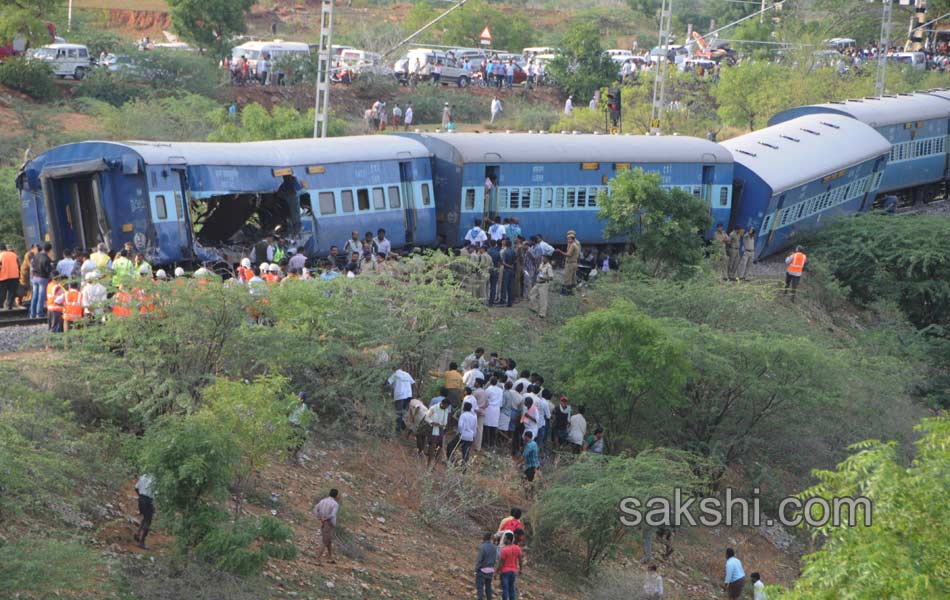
{"x":9,"y":276}
{"x":122,"y":303}
{"x":72,"y":306}
{"x":795,"y":264}
{"x":244,"y":270}
{"x":55,"y":297}
{"x":273,"y":273}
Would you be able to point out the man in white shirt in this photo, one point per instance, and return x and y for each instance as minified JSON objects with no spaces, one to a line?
{"x":468,"y":426}
{"x":496,"y":231}
{"x":471,"y":376}
{"x":402,"y":383}
{"x":569,"y":106}
{"x":143,"y":487}
{"x":758,"y":588}
{"x":383,"y":245}
{"x":576,"y":430}
{"x":438,"y":418}
{"x":94,"y":295}
{"x":476,"y":235}
{"x":546,"y":248}
{"x":408,"y":120}
{"x":326,"y":510}
{"x":496,"y":109}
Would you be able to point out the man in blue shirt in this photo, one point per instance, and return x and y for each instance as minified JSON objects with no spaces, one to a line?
{"x":735,"y":576}
{"x":495,"y":256}
{"x":530,"y":455}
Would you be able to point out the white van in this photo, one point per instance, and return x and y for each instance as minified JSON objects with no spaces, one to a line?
{"x":67,"y":60}
{"x":361,"y":60}
{"x":253,"y":51}
{"x":917,"y":60}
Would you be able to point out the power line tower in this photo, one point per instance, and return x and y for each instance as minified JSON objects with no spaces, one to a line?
{"x":324,"y":70}
{"x":659,"y":84}
{"x":883,"y":45}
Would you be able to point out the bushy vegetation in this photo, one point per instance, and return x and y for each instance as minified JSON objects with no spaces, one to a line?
{"x":164,"y":119}
{"x":32,"y":77}
{"x":255,"y":123}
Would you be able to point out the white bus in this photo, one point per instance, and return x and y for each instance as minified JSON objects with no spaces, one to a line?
{"x":253,"y":51}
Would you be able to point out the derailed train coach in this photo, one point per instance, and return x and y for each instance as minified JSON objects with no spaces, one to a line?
{"x":550,"y":182}
{"x":206,"y":202}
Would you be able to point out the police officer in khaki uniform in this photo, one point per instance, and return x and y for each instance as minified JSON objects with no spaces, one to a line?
{"x":735,"y":240}
{"x":539,"y":293}
{"x":485,"y":265}
{"x":571,"y":257}
{"x":748,"y":250}
{"x":720,"y":245}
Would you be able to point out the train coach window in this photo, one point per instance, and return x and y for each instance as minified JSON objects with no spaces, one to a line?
{"x":469,"y":197}
{"x":394,"y":197}
{"x":548,"y":197}
{"x":346,"y":200}
{"x":592,"y":196}
{"x":513,"y":198}
{"x":426,"y":199}
{"x":362,"y":199}
{"x":327,"y":203}
{"x":559,"y":200}
{"x":379,"y":199}
{"x":161,"y":211}
{"x":571,"y":197}
{"x":536,"y":198}
{"x":581,"y":197}
{"x":723,"y":196}
{"x":525,"y":197}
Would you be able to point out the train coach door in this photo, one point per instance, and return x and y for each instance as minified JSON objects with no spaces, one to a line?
{"x":490,"y":205}
{"x":408,"y":198}
{"x":708,"y":180}
{"x":182,"y":215}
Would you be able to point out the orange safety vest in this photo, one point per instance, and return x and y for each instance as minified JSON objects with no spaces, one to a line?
{"x":271,"y":278}
{"x":53,"y":289}
{"x":146,"y":301}
{"x":73,"y":306}
{"x":121,"y":306}
{"x":797,"y":264}
{"x":9,"y":265}
{"x":244,"y":274}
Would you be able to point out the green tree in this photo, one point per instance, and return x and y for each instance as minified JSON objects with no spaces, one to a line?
{"x":905,"y":551}
{"x":11,"y":226}
{"x":255,"y":415}
{"x":210,"y":23}
{"x":581,"y":68}
{"x":904,"y":259}
{"x":581,"y":504}
{"x":26,"y":18}
{"x":751,"y":93}
{"x":257,"y":124}
{"x":664,"y":225}
{"x":510,"y":30}
{"x":623,"y":363}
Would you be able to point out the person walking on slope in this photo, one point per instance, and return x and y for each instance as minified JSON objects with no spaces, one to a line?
{"x":795,"y":265}
{"x":510,"y":565}
{"x":735,"y":576}
{"x":143,"y":487}
{"x":326,"y":510}
{"x":571,"y":258}
{"x":748,"y":250}
{"x":485,"y":567}
{"x":496,"y":109}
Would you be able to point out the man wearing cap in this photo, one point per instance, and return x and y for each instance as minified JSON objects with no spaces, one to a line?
{"x":571,"y":257}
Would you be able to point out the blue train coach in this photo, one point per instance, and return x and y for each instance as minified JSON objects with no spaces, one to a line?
{"x":195,"y":202}
{"x":916,"y":125}
{"x":793,"y":176}
{"x":550,"y":182}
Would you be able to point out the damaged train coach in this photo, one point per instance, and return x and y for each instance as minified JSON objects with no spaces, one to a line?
{"x":189,"y":203}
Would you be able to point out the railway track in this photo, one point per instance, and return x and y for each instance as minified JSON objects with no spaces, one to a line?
{"x":17,"y":318}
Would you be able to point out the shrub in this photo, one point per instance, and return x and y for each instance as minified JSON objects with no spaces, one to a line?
{"x":173,"y":72}
{"x":115,"y":88}
{"x":169,"y":119}
{"x":11,"y":227}
{"x":33,"y":567}
{"x":32,"y":77}
{"x":243,"y":548}
{"x":428,"y":101}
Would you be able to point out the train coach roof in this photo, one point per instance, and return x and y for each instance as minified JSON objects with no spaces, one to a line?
{"x":563,"y":148}
{"x":281,"y":153}
{"x":798,"y":151}
{"x":878,"y":112}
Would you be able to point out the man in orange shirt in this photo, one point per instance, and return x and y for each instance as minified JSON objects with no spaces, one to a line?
{"x":9,"y":276}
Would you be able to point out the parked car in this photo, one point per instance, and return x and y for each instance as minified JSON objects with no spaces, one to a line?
{"x":420,"y":62}
{"x":67,"y":60}
{"x":917,"y":60}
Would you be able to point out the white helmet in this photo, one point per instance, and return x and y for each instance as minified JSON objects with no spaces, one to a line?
{"x":202,"y":273}
{"x":246,"y":262}
{"x":161,"y":274}
{"x":273,"y":268}
{"x":263,"y":267}
{"x":92,"y":275}
{"x":145,"y":270}
{"x":179,"y":272}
